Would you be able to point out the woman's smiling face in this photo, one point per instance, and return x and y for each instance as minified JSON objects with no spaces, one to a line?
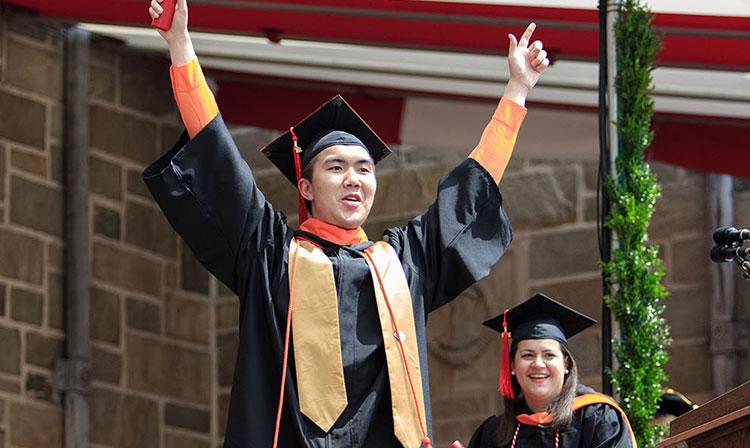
{"x":539,"y":366}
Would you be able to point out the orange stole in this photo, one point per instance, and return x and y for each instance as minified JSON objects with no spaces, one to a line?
{"x":543,"y":418}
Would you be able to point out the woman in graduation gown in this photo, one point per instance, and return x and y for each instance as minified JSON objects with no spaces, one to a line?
{"x":544,"y":404}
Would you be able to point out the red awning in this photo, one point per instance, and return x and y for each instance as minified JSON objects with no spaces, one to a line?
{"x":689,"y":40}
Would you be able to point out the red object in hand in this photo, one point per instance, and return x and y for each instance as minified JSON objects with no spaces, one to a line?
{"x":164,"y":22}
{"x":456,"y":444}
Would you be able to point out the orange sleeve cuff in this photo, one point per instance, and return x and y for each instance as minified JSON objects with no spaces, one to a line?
{"x":195,"y":100}
{"x":499,"y":137}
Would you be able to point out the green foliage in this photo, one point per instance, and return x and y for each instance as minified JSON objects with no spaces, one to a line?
{"x":635,"y":271}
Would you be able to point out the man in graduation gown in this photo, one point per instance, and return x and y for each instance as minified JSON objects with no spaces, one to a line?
{"x":356,"y":372}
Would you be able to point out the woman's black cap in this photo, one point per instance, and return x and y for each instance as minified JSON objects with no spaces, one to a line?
{"x":541,"y":317}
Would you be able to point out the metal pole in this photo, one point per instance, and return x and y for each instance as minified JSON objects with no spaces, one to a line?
{"x":73,"y":374}
{"x":608,"y":154}
{"x":723,"y":334}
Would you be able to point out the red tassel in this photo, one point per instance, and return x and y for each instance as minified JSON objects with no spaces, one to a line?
{"x":506,"y":384}
{"x":301,"y":209}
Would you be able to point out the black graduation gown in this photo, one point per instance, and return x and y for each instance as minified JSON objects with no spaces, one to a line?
{"x":209,"y":196}
{"x":593,"y":426}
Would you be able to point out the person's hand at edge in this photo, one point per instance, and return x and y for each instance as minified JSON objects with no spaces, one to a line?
{"x":177,"y":37}
{"x":526,"y":64}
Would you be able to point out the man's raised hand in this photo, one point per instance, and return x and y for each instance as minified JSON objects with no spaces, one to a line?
{"x":526,"y":61}
{"x":180,"y":46}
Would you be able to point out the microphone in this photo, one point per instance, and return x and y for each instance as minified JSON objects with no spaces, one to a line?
{"x":720,"y":254}
{"x":727,"y":235}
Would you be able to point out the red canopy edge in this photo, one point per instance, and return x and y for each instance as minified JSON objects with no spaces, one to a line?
{"x":690,"y":40}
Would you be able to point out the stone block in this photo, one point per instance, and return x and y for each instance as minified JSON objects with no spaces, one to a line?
{"x":126,"y":269}
{"x":187,"y":319}
{"x":224,"y":290}
{"x":10,"y":347}
{"x":408,"y":191}
{"x":542,"y":198}
{"x":10,"y":386}
{"x":227,"y":346}
{"x":105,"y":178}
{"x":689,"y":369}
{"x":42,"y":350}
{"x":55,"y":308}
{"x":586,"y":349}
{"x":24,"y":120}
{"x":666,"y":173}
{"x":446,"y":432}
{"x":455,"y":407}
{"x":681,"y":209}
{"x":104,"y":323}
{"x":3,"y":172}
{"x":279,"y":192}
{"x":168,"y":370}
{"x":145,"y":88}
{"x":585,"y":296}
{"x":106,"y":366}
{"x":55,"y":256}
{"x":23,"y":257}
{"x":181,"y":441}
{"x":687,"y":312}
{"x":561,"y":253}
{"x":39,"y":386}
{"x":142,"y":315}
{"x":105,"y":416}
{"x":138,"y":413}
{"x":29,"y":162}
{"x":227,"y":314}
{"x":223,"y":412}
{"x":136,"y":185}
{"x":57,"y":122}
{"x":36,"y":206}
{"x":194,"y":277}
{"x":249,"y":141}
{"x":101,"y":83}
{"x":185,"y":417}
{"x":106,"y":222}
{"x":147,"y":228}
{"x":56,"y":162}
{"x":2,"y":300}
{"x":590,"y":175}
{"x":39,"y":70}
{"x":26,"y":306}
{"x":123,"y":135}
{"x":690,"y":261}
{"x":2,"y":411}
{"x":23,"y":27}
{"x":33,"y":426}
{"x":589,"y":209}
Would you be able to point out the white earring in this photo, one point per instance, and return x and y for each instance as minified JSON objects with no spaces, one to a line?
{"x":566,"y":371}
{"x":513,"y":372}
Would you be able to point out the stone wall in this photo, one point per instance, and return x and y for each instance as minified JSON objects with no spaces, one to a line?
{"x":164,"y":333}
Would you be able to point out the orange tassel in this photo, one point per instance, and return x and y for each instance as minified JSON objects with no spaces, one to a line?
{"x":301,"y":209}
{"x":506,"y":384}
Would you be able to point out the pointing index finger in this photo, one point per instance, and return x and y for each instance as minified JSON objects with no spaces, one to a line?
{"x":527,"y":35}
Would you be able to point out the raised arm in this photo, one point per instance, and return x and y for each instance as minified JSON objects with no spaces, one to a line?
{"x":499,"y":137}
{"x":194,"y":99}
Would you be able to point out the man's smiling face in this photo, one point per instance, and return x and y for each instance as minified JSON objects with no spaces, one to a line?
{"x":342,"y":188}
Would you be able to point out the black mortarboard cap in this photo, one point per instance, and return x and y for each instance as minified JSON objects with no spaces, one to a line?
{"x":314,"y":135}
{"x":541,"y":317}
{"x":673,"y":402}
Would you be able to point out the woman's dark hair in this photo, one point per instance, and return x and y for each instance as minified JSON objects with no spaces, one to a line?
{"x":561,"y":409}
